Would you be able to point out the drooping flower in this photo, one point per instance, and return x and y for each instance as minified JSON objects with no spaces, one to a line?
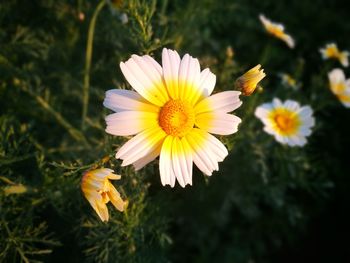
{"x":289,"y":81}
{"x":288,"y":122}
{"x":248,"y":82}
{"x":172,"y":115}
{"x":277,"y":30}
{"x":98,"y":190}
{"x":340,"y":86}
{"x":331,"y":51}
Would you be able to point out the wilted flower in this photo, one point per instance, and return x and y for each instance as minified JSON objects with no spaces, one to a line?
{"x":172,"y":115}
{"x":331,"y":51}
{"x":340,"y":86}
{"x":248,"y":82}
{"x":288,"y":122}
{"x":98,"y":190}
{"x":277,"y":30}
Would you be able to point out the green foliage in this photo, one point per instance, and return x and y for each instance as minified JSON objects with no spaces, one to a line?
{"x":260,"y":201}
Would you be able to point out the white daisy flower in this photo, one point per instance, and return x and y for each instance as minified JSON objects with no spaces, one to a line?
{"x":340,"y":86}
{"x":331,"y":51}
{"x":172,"y":115}
{"x":277,"y":30}
{"x":288,"y":122}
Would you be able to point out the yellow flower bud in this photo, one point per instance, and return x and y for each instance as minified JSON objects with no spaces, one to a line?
{"x":248,"y":82}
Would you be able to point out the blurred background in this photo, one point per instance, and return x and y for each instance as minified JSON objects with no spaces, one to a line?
{"x":267,"y":203}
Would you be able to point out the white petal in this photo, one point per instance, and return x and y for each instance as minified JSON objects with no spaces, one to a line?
{"x":289,"y":41}
{"x":263,"y":111}
{"x":171,"y":64}
{"x":277,"y":103}
{"x":130,"y":122}
{"x":218,"y":123}
{"x":301,"y":141}
{"x":305,"y":131}
{"x":309,"y":122}
{"x":336,"y":76}
{"x":180,"y":167}
{"x":120,"y":100}
{"x":305,"y":112}
{"x":152,"y":155}
{"x":226,"y":101}
{"x":203,"y":156}
{"x":167,"y":175}
{"x":292,"y":105}
{"x":207,"y":82}
{"x":189,"y":77}
{"x":140,"y":145}
{"x":137,"y":73}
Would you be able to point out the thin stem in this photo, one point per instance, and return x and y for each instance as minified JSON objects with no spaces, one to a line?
{"x":88,"y":57}
{"x":76,"y":134}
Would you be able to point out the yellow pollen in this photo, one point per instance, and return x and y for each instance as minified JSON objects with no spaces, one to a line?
{"x":176,"y":118}
{"x":287,"y":122}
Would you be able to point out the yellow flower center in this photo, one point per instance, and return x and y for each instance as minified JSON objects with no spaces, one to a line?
{"x":276,"y":31}
{"x":177,"y":117}
{"x":338,"y":88}
{"x":332,"y":52}
{"x":287,"y":122}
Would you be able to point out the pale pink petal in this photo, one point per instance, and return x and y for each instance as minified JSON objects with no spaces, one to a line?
{"x":226,"y":101}
{"x":140,"y":145}
{"x":145,"y":79}
{"x":171,"y":64}
{"x":182,"y":171}
{"x":121,"y":100}
{"x":130,"y":122}
{"x":167,"y":174}
{"x":154,"y":153}
{"x":189,"y":77}
{"x":218,"y":122}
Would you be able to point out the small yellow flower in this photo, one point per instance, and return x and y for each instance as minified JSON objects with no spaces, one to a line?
{"x":248,"y":82}
{"x":288,"y":122}
{"x":331,"y":51}
{"x":98,"y":190}
{"x":289,"y":81}
{"x":277,"y":30}
{"x":340,"y":86}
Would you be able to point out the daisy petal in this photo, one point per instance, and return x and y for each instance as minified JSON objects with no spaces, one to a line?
{"x":189,"y":77}
{"x":203,"y":157}
{"x":218,"y":122}
{"x":130,"y":122}
{"x":140,"y":145}
{"x":121,"y":100}
{"x":171,"y":64}
{"x":167,"y":175}
{"x":180,"y":165}
{"x":140,"y":163}
{"x":291,"y":105}
{"x":226,"y":101}
{"x":150,"y":86}
{"x":207,"y":82}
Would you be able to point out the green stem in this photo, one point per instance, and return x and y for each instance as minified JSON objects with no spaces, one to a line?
{"x":76,"y":134}
{"x":88,"y":57}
